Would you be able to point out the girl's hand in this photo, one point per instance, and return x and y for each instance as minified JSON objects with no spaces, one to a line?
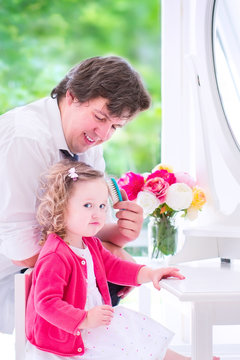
{"x":97,"y":316}
{"x":163,"y":273}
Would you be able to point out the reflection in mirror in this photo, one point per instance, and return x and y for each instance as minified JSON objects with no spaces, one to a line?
{"x":226,"y":53}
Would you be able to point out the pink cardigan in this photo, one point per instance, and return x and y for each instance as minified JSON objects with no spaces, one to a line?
{"x":57,"y":297}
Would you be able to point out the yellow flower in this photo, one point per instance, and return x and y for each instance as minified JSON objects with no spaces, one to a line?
{"x":163,"y":167}
{"x":199,"y":198}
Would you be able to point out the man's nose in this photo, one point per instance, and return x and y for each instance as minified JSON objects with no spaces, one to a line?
{"x":104,"y":131}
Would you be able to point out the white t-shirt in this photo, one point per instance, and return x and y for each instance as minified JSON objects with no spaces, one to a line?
{"x":30,"y":139}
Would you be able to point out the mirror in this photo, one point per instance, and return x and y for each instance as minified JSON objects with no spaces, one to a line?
{"x":226,"y":55}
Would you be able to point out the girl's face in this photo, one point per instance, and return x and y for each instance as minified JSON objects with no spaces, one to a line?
{"x":86,"y":209}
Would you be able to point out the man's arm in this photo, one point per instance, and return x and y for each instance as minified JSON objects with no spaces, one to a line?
{"x":110,"y":233}
{"x":30,"y":262}
{"x":118,"y":251}
{"x":20,"y":170}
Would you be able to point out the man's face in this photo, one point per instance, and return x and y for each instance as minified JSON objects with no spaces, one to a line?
{"x":87,"y":124}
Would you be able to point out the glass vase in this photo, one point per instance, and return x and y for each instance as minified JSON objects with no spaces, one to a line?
{"x":162,"y":237}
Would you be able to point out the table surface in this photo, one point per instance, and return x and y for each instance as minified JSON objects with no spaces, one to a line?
{"x":213,"y":288}
{"x":206,"y":280}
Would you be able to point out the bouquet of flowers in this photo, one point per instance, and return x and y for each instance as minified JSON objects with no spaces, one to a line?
{"x":162,"y":194}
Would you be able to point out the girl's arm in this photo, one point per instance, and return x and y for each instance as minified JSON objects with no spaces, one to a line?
{"x":117,"y":271}
{"x":50,"y":279}
{"x":147,"y":274}
{"x":127,"y":273}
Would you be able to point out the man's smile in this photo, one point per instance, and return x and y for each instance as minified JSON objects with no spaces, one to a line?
{"x":89,"y":139}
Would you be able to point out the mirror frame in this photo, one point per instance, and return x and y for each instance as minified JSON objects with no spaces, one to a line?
{"x":213,"y":115}
{"x":215,"y":5}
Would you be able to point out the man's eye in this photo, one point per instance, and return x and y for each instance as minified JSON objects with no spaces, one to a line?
{"x":102,"y":206}
{"x":99,"y":118}
{"x":117,"y":126}
{"x":88,"y":205}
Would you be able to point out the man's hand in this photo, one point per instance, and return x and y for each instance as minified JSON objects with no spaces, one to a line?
{"x":130,"y":217}
{"x":125,"y":291}
{"x":97,"y":316}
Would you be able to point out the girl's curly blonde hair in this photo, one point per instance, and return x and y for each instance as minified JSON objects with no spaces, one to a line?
{"x":55,"y":188}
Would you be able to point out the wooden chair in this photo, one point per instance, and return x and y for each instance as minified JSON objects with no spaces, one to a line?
{"x":22,"y":286}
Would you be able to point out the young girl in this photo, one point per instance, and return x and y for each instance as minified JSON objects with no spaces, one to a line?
{"x":69,"y":313}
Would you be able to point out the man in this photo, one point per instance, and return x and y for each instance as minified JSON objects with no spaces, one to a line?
{"x":94,"y":99}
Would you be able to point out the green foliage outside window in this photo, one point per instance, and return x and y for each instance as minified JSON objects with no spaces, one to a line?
{"x":40,"y":40}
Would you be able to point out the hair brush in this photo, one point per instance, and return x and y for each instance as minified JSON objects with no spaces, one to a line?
{"x":114,"y":190}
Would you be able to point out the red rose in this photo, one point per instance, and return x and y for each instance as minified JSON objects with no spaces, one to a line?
{"x":132,"y":183}
{"x":158,"y":186}
{"x":164,"y":174}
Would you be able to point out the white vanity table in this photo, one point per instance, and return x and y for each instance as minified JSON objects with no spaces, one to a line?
{"x":213,"y":289}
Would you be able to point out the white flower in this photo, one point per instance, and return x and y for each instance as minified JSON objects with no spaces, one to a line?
{"x":179,"y":196}
{"x":148,"y":202}
{"x":192,"y":213}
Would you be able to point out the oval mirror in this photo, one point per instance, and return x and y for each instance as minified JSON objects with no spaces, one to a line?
{"x":226,"y":54}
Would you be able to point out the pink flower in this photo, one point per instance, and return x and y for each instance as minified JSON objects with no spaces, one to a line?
{"x":183,"y":177}
{"x":164,"y":174}
{"x":158,"y":186}
{"x":132,"y":183}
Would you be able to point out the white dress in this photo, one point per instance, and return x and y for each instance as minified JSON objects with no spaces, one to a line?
{"x":131,"y":335}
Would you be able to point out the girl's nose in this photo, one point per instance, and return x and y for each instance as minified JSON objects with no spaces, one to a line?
{"x":96,"y":213}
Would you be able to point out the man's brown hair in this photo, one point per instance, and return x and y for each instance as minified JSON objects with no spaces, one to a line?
{"x":110,"y":77}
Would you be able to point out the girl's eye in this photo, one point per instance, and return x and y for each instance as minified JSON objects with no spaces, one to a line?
{"x":102,"y":206}
{"x":88,"y":205}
